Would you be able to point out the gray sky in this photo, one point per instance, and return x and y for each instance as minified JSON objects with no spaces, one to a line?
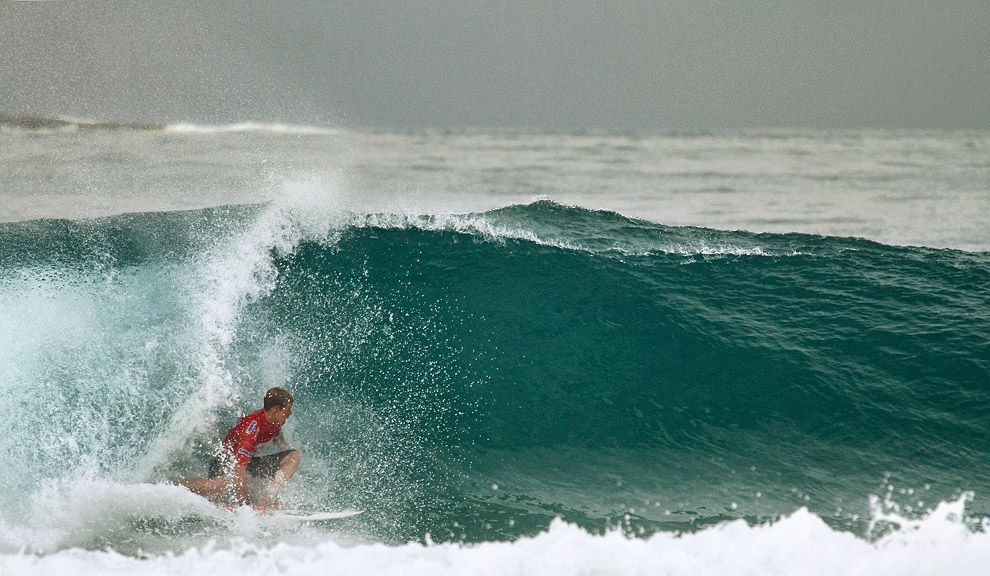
{"x":609,"y":64}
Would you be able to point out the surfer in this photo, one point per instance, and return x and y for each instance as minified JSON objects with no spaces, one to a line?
{"x":227,"y":478}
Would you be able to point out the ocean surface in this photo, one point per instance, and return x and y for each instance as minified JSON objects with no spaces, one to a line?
{"x":762,"y":352}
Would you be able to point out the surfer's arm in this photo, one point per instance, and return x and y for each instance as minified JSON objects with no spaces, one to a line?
{"x":239,"y":477}
{"x":280,"y":441}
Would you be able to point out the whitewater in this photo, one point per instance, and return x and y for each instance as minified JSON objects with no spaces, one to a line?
{"x":521,"y":352}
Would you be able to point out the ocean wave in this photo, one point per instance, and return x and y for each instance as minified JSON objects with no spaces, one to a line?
{"x":475,"y":376}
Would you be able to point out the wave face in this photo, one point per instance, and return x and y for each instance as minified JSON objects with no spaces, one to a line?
{"x":472,"y":377}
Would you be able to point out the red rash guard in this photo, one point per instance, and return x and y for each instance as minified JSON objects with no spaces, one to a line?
{"x":250,"y":433}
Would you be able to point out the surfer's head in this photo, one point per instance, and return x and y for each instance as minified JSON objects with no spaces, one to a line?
{"x":277,"y":397}
{"x":278,"y":405}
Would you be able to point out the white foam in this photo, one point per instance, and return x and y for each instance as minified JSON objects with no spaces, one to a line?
{"x":73,"y":513}
{"x":798,"y":544}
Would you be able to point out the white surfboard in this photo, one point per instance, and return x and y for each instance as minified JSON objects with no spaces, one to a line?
{"x":306,"y":516}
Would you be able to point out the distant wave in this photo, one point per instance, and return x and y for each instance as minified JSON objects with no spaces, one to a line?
{"x":246,"y":127}
{"x":71,"y":124}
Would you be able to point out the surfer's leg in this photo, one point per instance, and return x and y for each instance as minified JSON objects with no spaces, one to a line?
{"x":289,"y":465}
{"x":216,"y":484}
{"x":279,"y":467}
{"x":268,"y":466}
{"x":209,"y":487}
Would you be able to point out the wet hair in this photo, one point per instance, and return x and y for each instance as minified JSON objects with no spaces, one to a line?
{"x":277,"y":397}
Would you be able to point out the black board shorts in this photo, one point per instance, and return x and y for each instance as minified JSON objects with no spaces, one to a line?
{"x":260,"y":466}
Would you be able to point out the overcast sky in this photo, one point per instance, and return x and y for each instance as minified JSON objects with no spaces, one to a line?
{"x":569,"y":64}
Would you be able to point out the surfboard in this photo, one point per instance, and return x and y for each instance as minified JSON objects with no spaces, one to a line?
{"x":306,"y":516}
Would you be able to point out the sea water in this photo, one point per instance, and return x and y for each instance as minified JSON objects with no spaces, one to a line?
{"x":517,"y":352}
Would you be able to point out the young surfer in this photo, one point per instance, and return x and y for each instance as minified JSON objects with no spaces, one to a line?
{"x":227,"y":481}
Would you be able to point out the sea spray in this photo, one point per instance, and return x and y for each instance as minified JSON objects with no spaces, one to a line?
{"x":237,"y":271}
